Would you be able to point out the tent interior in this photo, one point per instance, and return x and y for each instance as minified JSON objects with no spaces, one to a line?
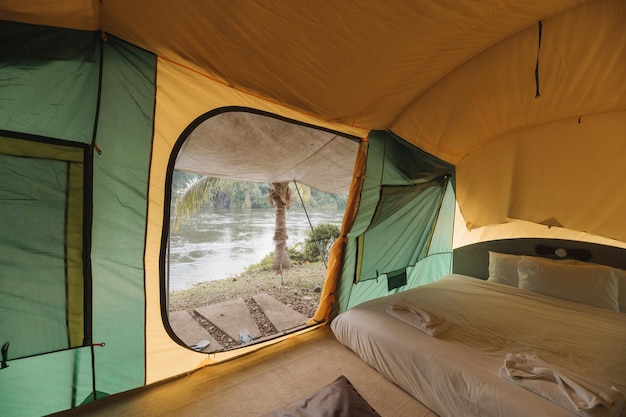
{"x":446,"y":123}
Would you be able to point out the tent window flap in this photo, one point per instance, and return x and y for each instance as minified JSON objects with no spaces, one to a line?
{"x":407,"y":212}
{"x":42,"y":246}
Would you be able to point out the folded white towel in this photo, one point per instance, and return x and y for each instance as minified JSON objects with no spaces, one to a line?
{"x":421,"y":319}
{"x":573,"y":392}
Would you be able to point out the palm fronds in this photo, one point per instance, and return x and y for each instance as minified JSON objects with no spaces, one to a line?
{"x":191,"y":198}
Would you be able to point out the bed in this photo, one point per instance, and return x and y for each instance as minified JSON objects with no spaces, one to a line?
{"x":460,"y":371}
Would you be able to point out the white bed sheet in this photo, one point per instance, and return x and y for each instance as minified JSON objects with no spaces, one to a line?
{"x":456,"y":373}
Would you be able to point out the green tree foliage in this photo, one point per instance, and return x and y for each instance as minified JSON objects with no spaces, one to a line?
{"x":305,"y":196}
{"x":239,"y":194}
{"x":193,"y":194}
{"x":267,"y":263}
{"x":302,"y":195}
{"x":319,"y":240}
{"x":328,"y":201}
{"x":327,"y":233}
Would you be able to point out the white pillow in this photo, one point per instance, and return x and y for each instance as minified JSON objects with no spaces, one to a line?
{"x":621,"y":281}
{"x":590,"y":284}
{"x":503,"y":268}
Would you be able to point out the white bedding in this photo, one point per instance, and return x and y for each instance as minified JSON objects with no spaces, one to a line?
{"x":457,"y":372}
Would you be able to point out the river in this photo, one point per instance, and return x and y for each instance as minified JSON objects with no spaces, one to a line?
{"x":217,"y":244}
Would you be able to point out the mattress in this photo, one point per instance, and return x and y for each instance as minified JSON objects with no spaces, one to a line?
{"x":457,"y":372}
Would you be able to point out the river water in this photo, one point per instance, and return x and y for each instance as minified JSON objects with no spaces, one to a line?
{"x":218,"y":244}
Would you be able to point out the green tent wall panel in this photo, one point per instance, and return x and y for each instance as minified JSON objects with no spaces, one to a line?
{"x":425,"y":248}
{"x":120,"y":184}
{"x":50,"y":81}
{"x":40,"y":385}
{"x":76,"y":87}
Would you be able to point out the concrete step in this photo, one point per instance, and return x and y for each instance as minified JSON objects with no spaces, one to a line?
{"x":282,"y":317}
{"x":191,"y":332}
{"x":231,"y":316}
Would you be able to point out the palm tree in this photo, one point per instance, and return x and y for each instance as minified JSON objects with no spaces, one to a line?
{"x":280,"y":198}
{"x":203,"y":190}
{"x":193,"y":196}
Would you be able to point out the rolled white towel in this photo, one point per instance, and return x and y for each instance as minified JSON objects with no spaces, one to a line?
{"x":569,"y":390}
{"x":417,"y":317}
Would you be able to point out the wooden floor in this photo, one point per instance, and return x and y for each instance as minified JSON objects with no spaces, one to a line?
{"x":260,"y":382}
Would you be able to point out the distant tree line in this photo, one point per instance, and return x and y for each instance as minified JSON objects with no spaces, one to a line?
{"x":226,"y":194}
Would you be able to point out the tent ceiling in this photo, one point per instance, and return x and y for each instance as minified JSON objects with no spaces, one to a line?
{"x":454,"y":77}
{"x":257,"y":148}
{"x":362,"y":66}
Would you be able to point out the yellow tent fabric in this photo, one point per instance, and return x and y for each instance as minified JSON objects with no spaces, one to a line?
{"x":457,"y":79}
{"x":337,"y":251}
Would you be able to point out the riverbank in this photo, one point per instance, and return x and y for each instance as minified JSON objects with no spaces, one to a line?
{"x":216,"y":244}
{"x":299,"y":288}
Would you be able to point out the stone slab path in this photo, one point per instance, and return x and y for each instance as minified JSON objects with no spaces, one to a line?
{"x":191,"y":332}
{"x":282,"y":317}
{"x":234,"y":318}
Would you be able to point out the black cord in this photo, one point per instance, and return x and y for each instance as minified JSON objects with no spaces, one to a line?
{"x":537,"y":94}
{"x":317,"y":241}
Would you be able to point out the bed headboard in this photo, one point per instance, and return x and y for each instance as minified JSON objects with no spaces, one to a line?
{"x":473,"y":260}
